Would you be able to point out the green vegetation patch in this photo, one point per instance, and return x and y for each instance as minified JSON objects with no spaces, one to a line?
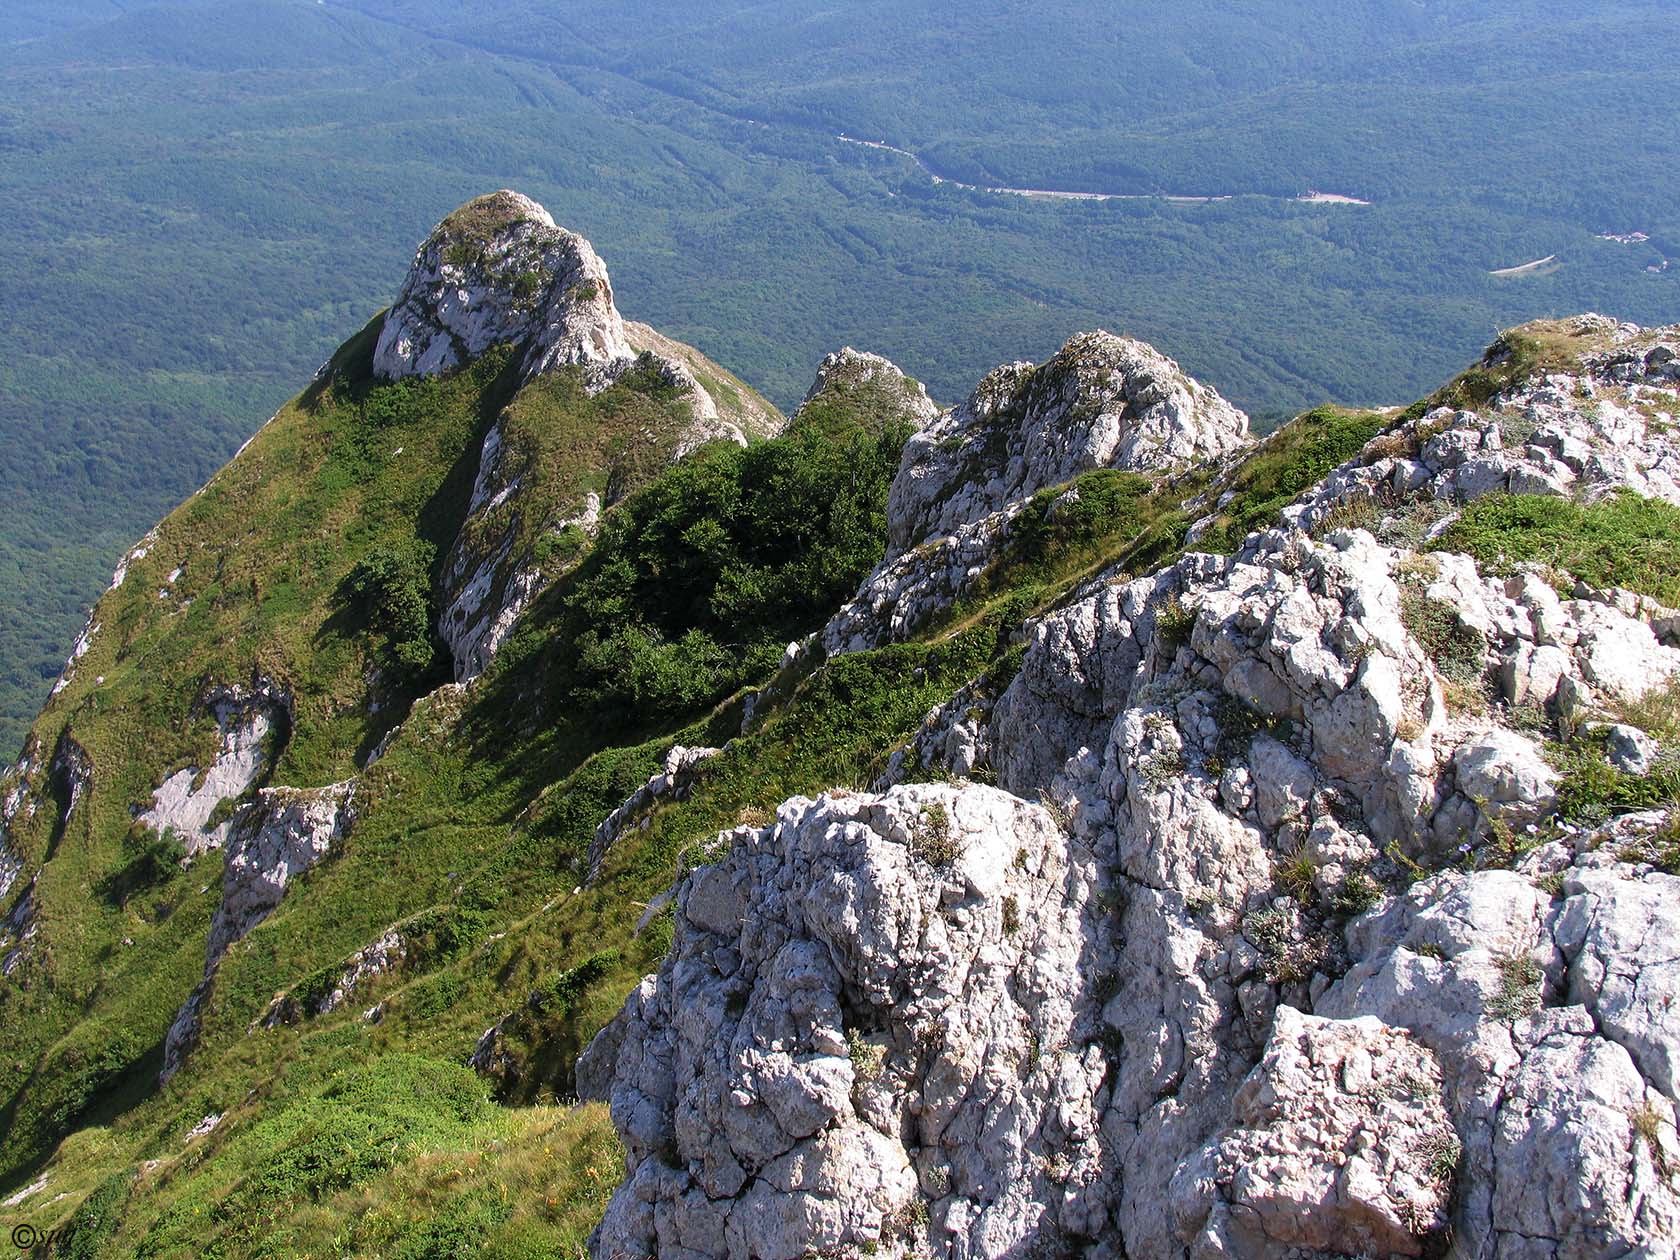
{"x":1626,"y":540}
{"x":697,"y":582}
{"x":1286,"y":465}
{"x":1592,"y":790}
{"x":1515,"y":356}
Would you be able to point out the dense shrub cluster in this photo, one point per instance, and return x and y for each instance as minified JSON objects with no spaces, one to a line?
{"x":698,"y":582}
{"x":392,"y":585}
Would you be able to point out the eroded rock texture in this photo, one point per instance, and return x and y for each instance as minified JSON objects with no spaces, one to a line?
{"x":1102,"y":402}
{"x":499,"y":271}
{"x":277,"y":837}
{"x":1207,"y":1017}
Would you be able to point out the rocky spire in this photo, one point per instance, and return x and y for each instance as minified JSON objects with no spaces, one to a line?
{"x":500,"y":270}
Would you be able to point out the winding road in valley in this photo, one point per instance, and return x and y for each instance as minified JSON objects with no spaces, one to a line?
{"x":1047,"y":194}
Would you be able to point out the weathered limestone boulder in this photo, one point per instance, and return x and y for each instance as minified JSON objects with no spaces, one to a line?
{"x":1341,"y":1143}
{"x":1554,"y":1037}
{"x":1102,"y":402}
{"x":811,"y":1069}
{"x":1603,"y":423}
{"x":499,"y":271}
{"x":849,"y":371}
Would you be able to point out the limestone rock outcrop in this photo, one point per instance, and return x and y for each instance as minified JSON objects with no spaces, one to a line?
{"x":869,"y":1028}
{"x":277,"y":837}
{"x":1341,"y":1143}
{"x":683,"y":767}
{"x":847,"y":371}
{"x":1604,"y":421}
{"x":1203,"y":1011}
{"x":499,"y":270}
{"x":187,"y":802}
{"x":1102,"y":402}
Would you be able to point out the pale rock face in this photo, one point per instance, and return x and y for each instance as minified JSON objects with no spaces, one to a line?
{"x":18,"y":788}
{"x":17,"y":931}
{"x":1102,"y":402}
{"x":1342,"y":1143}
{"x":17,"y":806}
{"x":809,"y":1064}
{"x":10,"y":867}
{"x":1566,"y":1115}
{"x":186,"y":801}
{"x":283,"y":833}
{"x":499,"y":270}
{"x":1311,"y":633}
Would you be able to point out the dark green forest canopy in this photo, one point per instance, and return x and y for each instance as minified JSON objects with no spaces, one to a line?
{"x":177,"y":267}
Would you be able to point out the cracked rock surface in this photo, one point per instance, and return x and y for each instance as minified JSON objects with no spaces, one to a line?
{"x":500,"y":270}
{"x":1188,"y":1023}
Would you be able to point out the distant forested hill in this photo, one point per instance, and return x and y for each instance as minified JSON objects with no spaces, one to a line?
{"x":197,"y":202}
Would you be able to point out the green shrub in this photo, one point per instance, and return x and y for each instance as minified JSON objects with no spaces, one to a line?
{"x":698,"y":582}
{"x":150,"y":860}
{"x":1238,"y":725}
{"x":1175,"y":621}
{"x":932,"y":840}
{"x":1520,"y":981}
{"x":1098,"y":504}
{"x":392,"y":586}
{"x":97,"y":1219}
{"x":1591,"y":789}
{"x":1358,"y":893}
{"x":357,"y":1125}
{"x":1458,"y":651}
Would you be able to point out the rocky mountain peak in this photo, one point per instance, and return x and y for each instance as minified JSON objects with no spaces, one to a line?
{"x":848,"y":370}
{"x":497,"y":270}
{"x":1101,"y":402}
